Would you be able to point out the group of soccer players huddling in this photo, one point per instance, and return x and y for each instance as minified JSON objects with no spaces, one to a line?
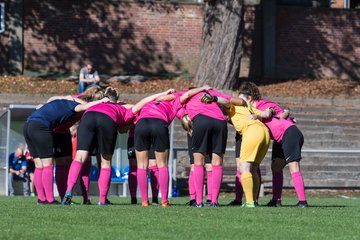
{"x":89,"y":123}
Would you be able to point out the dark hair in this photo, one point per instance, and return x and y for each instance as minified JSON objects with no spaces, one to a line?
{"x":250,"y":89}
{"x":112,"y":94}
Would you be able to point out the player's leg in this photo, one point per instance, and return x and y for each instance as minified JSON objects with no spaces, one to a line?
{"x":104,"y":178}
{"x":154,"y":176}
{"x":239,"y":192}
{"x":209,"y":180}
{"x":292,"y":143}
{"x":218,"y":146}
{"x":142,"y":145}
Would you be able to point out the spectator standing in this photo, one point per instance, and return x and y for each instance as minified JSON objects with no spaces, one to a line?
{"x":17,"y":171}
{"x":88,"y":77}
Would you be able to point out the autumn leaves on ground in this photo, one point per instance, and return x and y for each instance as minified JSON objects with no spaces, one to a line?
{"x":325,"y":88}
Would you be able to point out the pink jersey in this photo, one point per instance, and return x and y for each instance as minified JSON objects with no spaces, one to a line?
{"x":277,"y":126}
{"x":194,"y":106}
{"x":165,"y":110}
{"x":118,"y":113}
{"x":181,"y":113}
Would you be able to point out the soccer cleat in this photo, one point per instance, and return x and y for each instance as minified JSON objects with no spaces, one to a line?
{"x":200,"y":205}
{"x":39,"y":202}
{"x":274,"y":203}
{"x":155,"y":201}
{"x":207,"y":203}
{"x":165,"y":204}
{"x":100,"y":204}
{"x":145,"y":204}
{"x":302,"y":204}
{"x":213,"y":204}
{"x":235,"y":203}
{"x":32,"y":194}
{"x":55,"y":202}
{"x":191,"y":203}
{"x":107,"y":202}
{"x":249,"y":205}
{"x":67,"y":199}
{"x":133,"y":200}
{"x":87,"y":202}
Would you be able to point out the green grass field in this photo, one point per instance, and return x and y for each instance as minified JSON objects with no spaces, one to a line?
{"x":327,"y":218}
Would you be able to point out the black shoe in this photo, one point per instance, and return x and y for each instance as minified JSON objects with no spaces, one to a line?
{"x":67,"y":199}
{"x":200,"y":205}
{"x":134,"y":200}
{"x":213,"y":204}
{"x":302,"y":204}
{"x":155,"y":201}
{"x":191,"y":203}
{"x":274,"y":203}
{"x":39,"y":202}
{"x":235,"y":203}
{"x":107,"y":202}
{"x":55,"y":202}
{"x":87,"y":202}
{"x":207,"y":203}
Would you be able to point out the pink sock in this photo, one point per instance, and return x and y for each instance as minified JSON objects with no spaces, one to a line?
{"x":132,"y":181}
{"x":38,"y":184}
{"x":48,"y":182}
{"x":239,"y":192}
{"x":217,"y":172}
{"x":209,"y":181}
{"x":191,"y":185}
{"x":277,"y":185}
{"x":164,"y":183}
{"x":60,"y":179}
{"x":259,"y":174}
{"x":74,"y":172}
{"x":85,"y":180}
{"x":143,"y":184}
{"x":105,"y":175}
{"x":154,"y":180}
{"x":299,"y":185}
{"x":199,"y":182}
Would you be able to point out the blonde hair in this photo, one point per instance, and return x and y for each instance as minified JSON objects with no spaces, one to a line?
{"x":112,"y":93}
{"x":92,"y":93}
{"x":186,"y":123}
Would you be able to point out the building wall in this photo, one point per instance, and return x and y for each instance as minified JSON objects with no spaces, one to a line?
{"x":124,"y":37}
{"x":116,"y":36}
{"x":318,"y":43}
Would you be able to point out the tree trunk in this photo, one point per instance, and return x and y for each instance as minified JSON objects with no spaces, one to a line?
{"x":221,"y":49}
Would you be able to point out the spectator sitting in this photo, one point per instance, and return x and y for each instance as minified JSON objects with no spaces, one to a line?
{"x":30,"y":171}
{"x":17,"y":171}
{"x":88,"y":77}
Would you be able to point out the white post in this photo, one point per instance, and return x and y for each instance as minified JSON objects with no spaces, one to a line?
{"x":7,"y":152}
{"x":171,"y":158}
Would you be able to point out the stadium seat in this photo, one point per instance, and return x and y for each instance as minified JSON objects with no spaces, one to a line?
{"x":118,"y":177}
{"x":94,"y":173}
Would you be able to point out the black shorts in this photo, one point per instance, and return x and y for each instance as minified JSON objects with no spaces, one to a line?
{"x":238,"y":140}
{"x":152,"y":132}
{"x":30,"y":166}
{"x":191,"y":155}
{"x":209,"y":135}
{"x":97,"y":131}
{"x":39,"y":139}
{"x":290,"y":147}
{"x":131,"y":150}
{"x":62,"y":145}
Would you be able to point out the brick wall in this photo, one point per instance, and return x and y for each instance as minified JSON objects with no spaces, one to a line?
{"x":4,"y":41}
{"x":116,"y":36}
{"x":318,"y":43}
